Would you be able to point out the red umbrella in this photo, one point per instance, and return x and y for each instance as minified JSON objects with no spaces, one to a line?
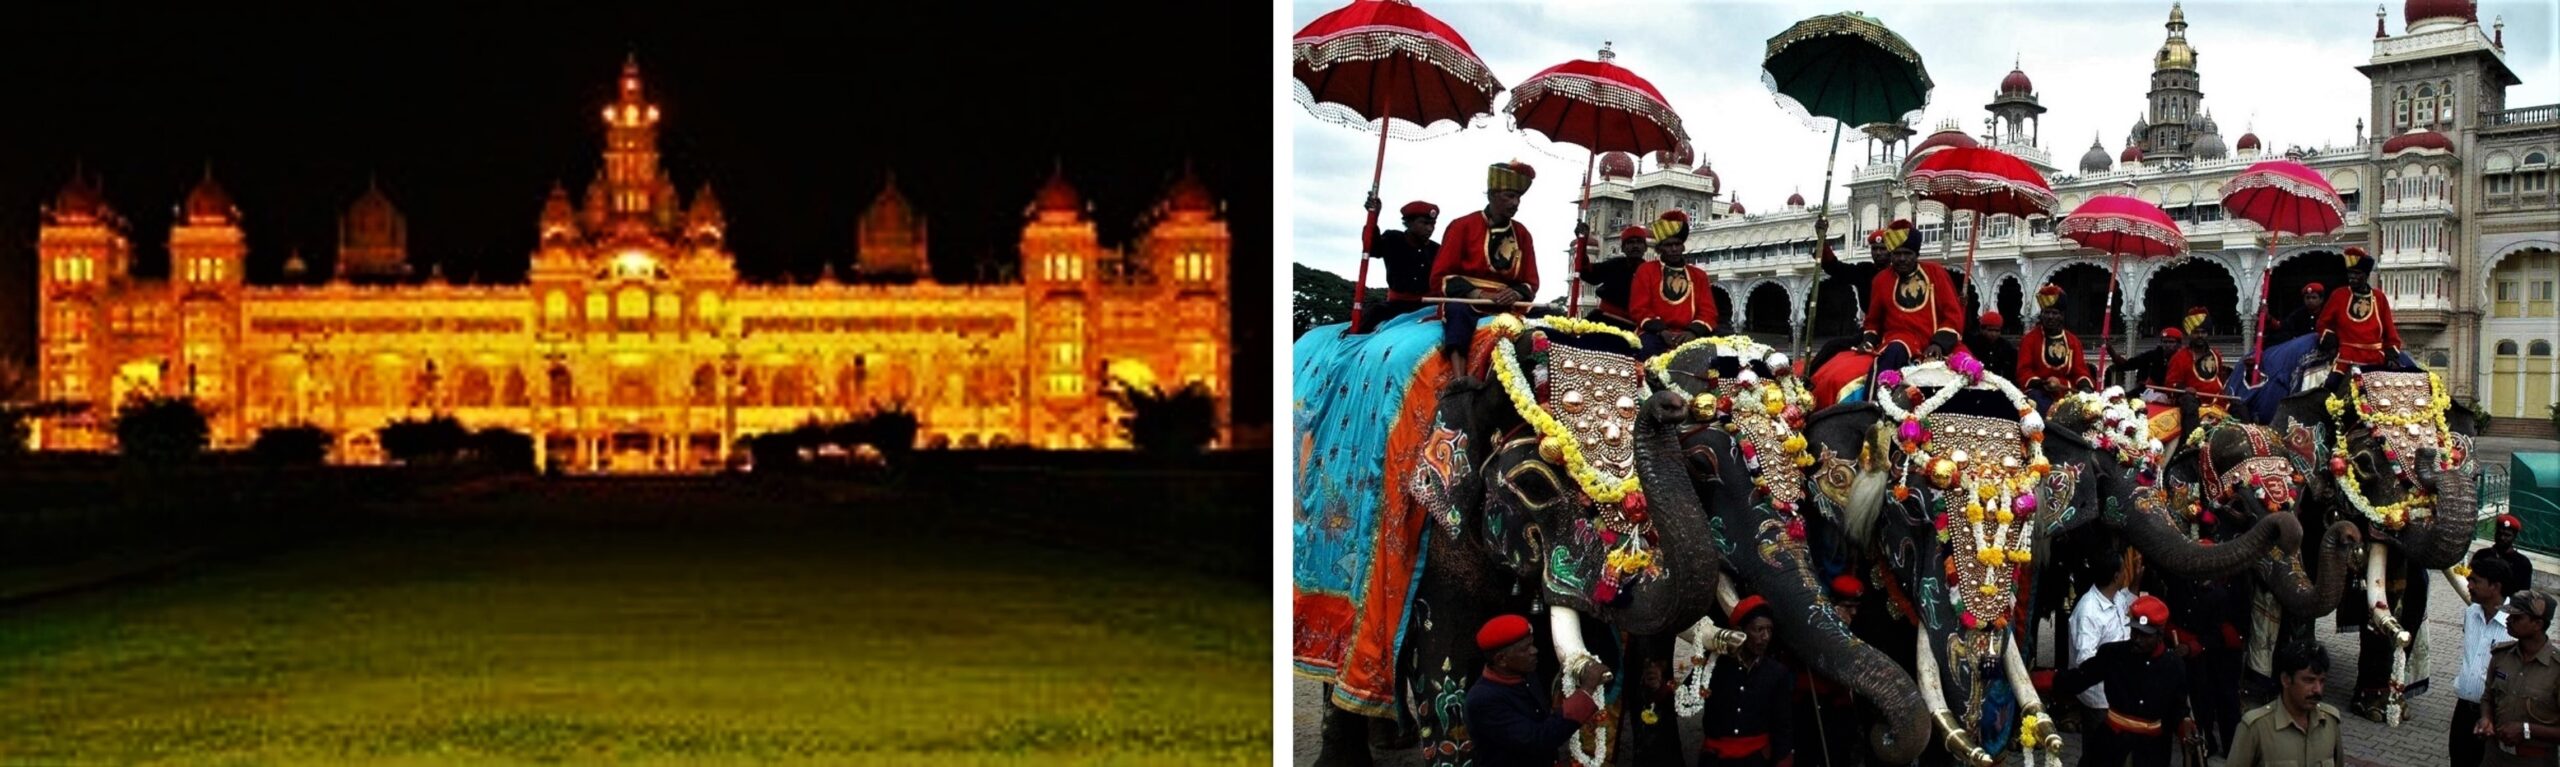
{"x":1988,"y":182}
{"x":1385,"y":60}
{"x":2282,"y":197}
{"x":1601,"y":107}
{"x":2121,"y":226}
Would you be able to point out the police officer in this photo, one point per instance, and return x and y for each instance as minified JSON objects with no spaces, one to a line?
{"x":2146,"y":686}
{"x":2521,"y":713}
{"x":2296,"y":728}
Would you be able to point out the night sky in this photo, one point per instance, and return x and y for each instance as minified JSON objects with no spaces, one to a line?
{"x":467,"y":116}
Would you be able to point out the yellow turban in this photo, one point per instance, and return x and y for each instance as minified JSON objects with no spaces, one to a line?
{"x":1895,"y":234}
{"x":2047,"y":297}
{"x":1664,"y":229}
{"x":2195,"y":319}
{"x":1513,"y":176}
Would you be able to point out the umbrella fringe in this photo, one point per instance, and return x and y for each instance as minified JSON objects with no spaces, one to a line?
{"x":1381,"y":42}
{"x":1579,"y":89}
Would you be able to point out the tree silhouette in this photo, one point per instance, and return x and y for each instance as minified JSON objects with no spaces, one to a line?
{"x":161,"y":431}
{"x":1182,"y":422}
{"x":303,"y":445}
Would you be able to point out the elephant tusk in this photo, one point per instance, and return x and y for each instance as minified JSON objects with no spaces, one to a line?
{"x":1725,"y":595}
{"x":2030,"y":704}
{"x":2381,"y":618}
{"x":1566,"y":626}
{"x":1958,"y":741}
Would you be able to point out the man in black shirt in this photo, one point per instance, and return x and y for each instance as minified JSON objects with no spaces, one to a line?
{"x":1408,"y":255}
{"x":2146,"y":687}
{"x":1507,"y":717}
{"x":2303,"y":320}
{"x":1996,"y":352}
{"x":2519,"y":570}
{"x":1747,"y":717}
{"x":2150,"y":368}
{"x":1611,"y":277}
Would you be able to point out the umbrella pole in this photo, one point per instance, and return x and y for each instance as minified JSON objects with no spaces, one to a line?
{"x":1804,"y":332}
{"x":1573,"y":279}
{"x":2107,"y":320}
{"x":2265,"y":276}
{"x":1972,"y":284}
{"x":1368,"y":235}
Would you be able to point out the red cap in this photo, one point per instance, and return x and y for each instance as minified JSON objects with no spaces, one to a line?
{"x":1992,"y":319}
{"x":2510,"y":522}
{"x":1420,"y":208}
{"x":1635,"y":233}
{"x":1742,"y":610}
{"x":1848,"y":586}
{"x":2172,"y":333}
{"x":2148,"y":613}
{"x":1501,"y":632}
{"x":2315,"y":288}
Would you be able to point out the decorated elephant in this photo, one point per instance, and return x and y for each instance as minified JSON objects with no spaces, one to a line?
{"x":2225,"y":477}
{"x":1950,"y":482}
{"x":2388,"y":455}
{"x":1750,"y":460}
{"x":1551,"y":483}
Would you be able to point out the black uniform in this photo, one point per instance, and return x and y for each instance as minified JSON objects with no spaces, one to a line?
{"x":1747,"y":702}
{"x":1997,"y":354}
{"x":2141,"y":686}
{"x":2519,"y":570}
{"x":1612,"y":279}
{"x":2150,"y":368}
{"x":2212,"y":612}
{"x":2300,"y":323}
{"x":1510,"y":725}
{"x":1408,"y":274}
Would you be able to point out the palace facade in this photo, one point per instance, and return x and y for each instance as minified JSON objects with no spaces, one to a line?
{"x":633,"y":344}
{"x":2456,"y":193}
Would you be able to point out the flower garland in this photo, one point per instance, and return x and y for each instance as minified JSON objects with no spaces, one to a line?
{"x":2003,"y":499}
{"x":1604,"y":489}
{"x":1599,"y":731}
{"x":2394,"y":515}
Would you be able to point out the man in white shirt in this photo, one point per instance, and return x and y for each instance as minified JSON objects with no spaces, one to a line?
{"x":2102,"y":616}
{"x":2483,"y":624}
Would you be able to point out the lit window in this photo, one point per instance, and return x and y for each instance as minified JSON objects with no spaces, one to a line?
{"x":556,"y":305}
{"x":596,"y":307}
{"x":708,"y":306}
{"x":633,"y":304}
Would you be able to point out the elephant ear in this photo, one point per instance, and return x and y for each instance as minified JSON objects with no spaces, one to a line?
{"x":1446,"y":480}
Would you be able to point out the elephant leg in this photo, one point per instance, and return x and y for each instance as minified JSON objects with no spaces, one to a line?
{"x":1345,"y":737}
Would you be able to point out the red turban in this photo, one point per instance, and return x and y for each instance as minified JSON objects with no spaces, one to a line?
{"x":2510,"y":522}
{"x":2316,"y":288}
{"x":1501,"y":632}
{"x":1990,"y":320}
{"x":1742,"y":610}
{"x":1848,"y":586}
{"x":2172,"y":334}
{"x":1634,"y":233}
{"x":1420,"y":208}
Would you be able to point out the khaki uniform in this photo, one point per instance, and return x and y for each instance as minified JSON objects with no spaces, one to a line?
{"x":2268,"y":737}
{"x":2523,"y":689}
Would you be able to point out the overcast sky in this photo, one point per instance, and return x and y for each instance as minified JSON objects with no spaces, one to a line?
{"x":2288,"y":68}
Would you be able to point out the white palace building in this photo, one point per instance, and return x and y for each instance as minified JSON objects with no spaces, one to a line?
{"x":2455,"y":191}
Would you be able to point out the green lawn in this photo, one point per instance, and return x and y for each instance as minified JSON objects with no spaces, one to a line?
{"x":879,"y":639}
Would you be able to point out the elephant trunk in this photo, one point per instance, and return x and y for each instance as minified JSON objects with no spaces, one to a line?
{"x":2148,"y":528}
{"x":1691,"y":565}
{"x":1835,"y":656}
{"x":2294,"y":590}
{"x":2447,"y":535}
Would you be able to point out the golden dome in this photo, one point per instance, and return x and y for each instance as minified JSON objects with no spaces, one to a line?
{"x":2175,"y":54}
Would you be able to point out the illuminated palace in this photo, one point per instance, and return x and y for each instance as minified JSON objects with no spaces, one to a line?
{"x":633,"y":344}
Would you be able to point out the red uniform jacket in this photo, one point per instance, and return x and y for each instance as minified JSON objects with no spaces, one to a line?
{"x":2040,"y":357}
{"x":1913,"y":310}
{"x":1674,"y":303}
{"x":2202,"y":375}
{"x":1463,"y":265}
{"x":2363,"y":324}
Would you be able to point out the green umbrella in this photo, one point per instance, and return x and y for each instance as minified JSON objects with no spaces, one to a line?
{"x":1846,"y":69}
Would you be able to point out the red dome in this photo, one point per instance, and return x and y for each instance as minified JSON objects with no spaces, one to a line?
{"x":1942,"y":140}
{"x":2248,"y":141}
{"x":2415,"y":11}
{"x":2425,"y":139}
{"x":2131,"y":154}
{"x":1714,"y":182}
{"x":2016,"y":83}
{"x":1188,"y":194}
{"x":1676,"y":157}
{"x":1795,"y":200}
{"x":1737,"y":206}
{"x":208,"y":202}
{"x":1057,"y":195}
{"x":1617,"y":165}
{"x":79,"y":200}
